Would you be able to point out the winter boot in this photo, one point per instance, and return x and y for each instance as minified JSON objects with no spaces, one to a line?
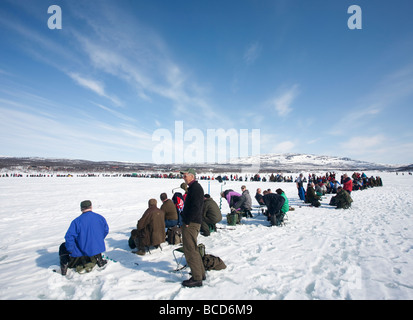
{"x":191,"y":283}
{"x":63,"y":268}
{"x":141,"y":252}
{"x":100,"y":261}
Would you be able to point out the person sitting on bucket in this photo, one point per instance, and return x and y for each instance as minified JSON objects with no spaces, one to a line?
{"x":85,"y":241}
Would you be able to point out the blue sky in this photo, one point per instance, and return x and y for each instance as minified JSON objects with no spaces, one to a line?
{"x":117,"y":71}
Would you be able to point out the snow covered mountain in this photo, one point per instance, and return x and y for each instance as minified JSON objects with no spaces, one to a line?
{"x":288,"y":162}
{"x":296,"y":161}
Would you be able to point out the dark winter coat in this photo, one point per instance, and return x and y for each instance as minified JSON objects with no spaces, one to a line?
{"x":343,"y":200}
{"x":274,"y":203}
{"x":151,"y":227}
{"x":259,"y":198}
{"x":194,"y":203}
{"x":170,"y":210}
{"x":311,"y":197}
{"x":211,"y":211}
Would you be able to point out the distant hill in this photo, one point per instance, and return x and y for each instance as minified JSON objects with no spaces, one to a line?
{"x":73,"y":165}
{"x":308,"y":162}
{"x":288,"y":162}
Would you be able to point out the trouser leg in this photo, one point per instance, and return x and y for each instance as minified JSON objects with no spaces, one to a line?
{"x":192,"y":256}
{"x":205,"y":228}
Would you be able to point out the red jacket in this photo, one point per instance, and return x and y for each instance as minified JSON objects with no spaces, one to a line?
{"x":348,"y":184}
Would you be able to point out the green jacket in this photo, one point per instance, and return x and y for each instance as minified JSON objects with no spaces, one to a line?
{"x":211,"y":210}
{"x":286,"y":205}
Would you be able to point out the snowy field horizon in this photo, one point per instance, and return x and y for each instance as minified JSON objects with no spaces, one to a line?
{"x":274,"y":163}
{"x":362,"y":253}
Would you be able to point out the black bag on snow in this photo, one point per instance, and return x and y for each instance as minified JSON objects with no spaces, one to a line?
{"x":333,"y":201}
{"x":212,"y":262}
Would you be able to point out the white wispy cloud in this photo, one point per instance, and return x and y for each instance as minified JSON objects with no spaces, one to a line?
{"x":93,"y":85}
{"x":115,"y":113}
{"x":44,"y":49}
{"x":4,"y":72}
{"x":146,"y":66}
{"x":90,"y":84}
{"x":64,"y":135}
{"x":353,"y":119}
{"x":379,"y":148}
{"x":282,"y":102}
{"x":367,"y":110}
{"x":112,"y":42}
{"x":252,"y":53}
{"x":359,"y":143}
{"x":285,"y":146}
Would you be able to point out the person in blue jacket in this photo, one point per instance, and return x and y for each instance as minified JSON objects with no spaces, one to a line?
{"x":85,"y":241}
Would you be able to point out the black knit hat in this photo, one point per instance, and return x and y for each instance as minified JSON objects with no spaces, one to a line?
{"x":85,"y":204}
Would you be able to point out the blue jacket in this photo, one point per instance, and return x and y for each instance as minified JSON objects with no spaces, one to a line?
{"x":86,"y":235}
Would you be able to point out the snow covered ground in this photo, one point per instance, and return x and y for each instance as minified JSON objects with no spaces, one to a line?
{"x":321,"y":253}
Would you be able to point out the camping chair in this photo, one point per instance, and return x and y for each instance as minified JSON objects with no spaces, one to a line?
{"x":260,"y":209}
{"x":179,"y":255}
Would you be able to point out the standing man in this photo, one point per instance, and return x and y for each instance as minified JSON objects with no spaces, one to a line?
{"x":301,"y":192}
{"x":192,"y":219}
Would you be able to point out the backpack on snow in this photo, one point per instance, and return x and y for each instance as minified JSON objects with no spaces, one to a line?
{"x":234,"y":218}
{"x":333,"y":201}
{"x":212,"y":262}
{"x":174,"y":235}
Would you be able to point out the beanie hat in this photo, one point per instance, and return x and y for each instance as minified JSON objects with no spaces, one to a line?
{"x":85,"y":204}
{"x":152,"y":203}
{"x":184,"y":186}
